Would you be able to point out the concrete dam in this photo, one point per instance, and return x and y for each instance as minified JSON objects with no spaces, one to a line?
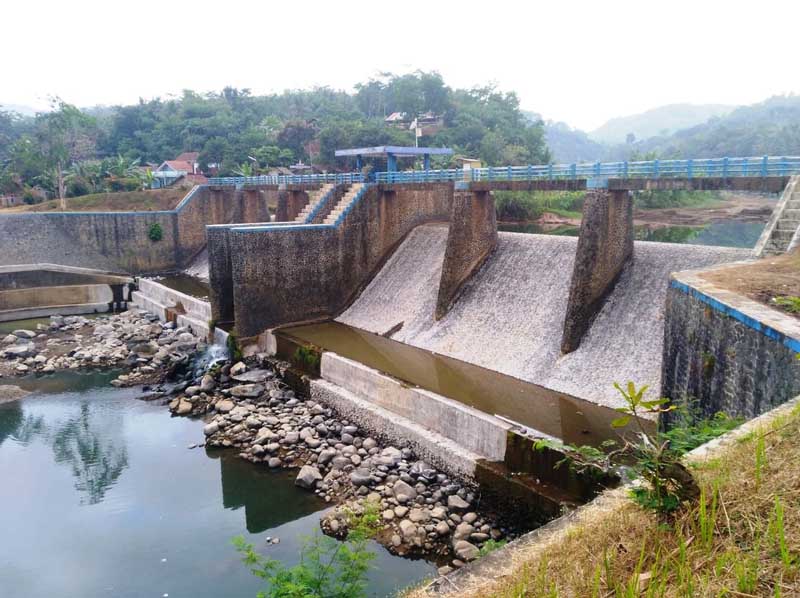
{"x":510,"y":314}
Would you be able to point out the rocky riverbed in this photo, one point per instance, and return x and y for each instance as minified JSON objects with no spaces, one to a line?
{"x":133,"y":340}
{"x":423,"y":511}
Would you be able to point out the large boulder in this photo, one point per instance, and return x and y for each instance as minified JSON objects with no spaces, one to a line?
{"x":247,"y":390}
{"x":308,"y":477}
{"x":20,"y":350}
{"x":224,"y":406}
{"x":403,"y":492}
{"x":466,"y":551}
{"x":26,"y":334}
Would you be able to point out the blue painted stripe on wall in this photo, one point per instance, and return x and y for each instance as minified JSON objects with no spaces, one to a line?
{"x":791,"y":343}
{"x":271,"y":229}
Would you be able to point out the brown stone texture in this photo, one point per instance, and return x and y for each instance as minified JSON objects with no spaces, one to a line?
{"x":715,"y":363}
{"x":470,"y":240}
{"x":605,"y":245}
{"x":291,"y":274}
{"x":120,"y":240}
{"x":291,"y":202}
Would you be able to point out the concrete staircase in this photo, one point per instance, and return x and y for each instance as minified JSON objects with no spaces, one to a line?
{"x":314,"y":198}
{"x":784,"y":223}
{"x":342,"y":204}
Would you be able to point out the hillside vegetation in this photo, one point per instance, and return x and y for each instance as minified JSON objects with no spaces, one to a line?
{"x":239,"y":133}
{"x":660,"y":121}
{"x":771,"y":127}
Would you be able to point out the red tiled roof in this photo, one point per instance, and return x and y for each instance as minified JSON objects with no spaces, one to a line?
{"x":179,"y":165}
{"x":188,"y":157}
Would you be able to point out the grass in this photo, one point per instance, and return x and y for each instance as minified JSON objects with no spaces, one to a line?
{"x":741,"y":538}
{"x":144,"y":201}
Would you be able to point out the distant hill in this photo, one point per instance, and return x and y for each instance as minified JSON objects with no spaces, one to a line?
{"x":569,"y":145}
{"x":661,"y":121}
{"x":19,"y":109}
{"x":769,"y":127}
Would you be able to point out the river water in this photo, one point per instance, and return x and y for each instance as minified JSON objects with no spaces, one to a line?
{"x":723,"y":233}
{"x":101,"y":496}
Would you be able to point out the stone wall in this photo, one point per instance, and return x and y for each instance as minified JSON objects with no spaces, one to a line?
{"x":283,"y":274}
{"x":470,"y":240}
{"x":605,"y":245}
{"x":120,"y":240}
{"x":724,"y":352}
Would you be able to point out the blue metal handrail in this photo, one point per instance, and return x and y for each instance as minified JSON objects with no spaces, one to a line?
{"x":293,"y":179}
{"x":762,"y":166}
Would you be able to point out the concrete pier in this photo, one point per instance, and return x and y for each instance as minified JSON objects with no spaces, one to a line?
{"x":472,"y":237}
{"x":605,"y":245}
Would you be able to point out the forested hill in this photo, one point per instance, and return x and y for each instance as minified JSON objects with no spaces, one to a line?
{"x":229,"y":127}
{"x":664,"y":120}
{"x":770,"y":127}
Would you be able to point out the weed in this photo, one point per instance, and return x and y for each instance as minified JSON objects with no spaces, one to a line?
{"x":327,"y":568}
{"x":492,"y":545}
{"x":155,"y":233}
{"x":761,"y":459}
{"x":306,"y":357}
{"x":789,"y":303}
{"x":234,"y":351}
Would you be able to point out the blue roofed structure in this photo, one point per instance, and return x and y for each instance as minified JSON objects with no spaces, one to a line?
{"x":392,"y":153}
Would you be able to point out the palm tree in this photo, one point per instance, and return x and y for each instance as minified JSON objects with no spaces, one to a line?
{"x":245,"y":169}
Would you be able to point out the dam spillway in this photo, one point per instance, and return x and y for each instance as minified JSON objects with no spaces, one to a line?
{"x":509,"y":316}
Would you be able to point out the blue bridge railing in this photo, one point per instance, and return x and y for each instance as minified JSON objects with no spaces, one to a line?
{"x":757,"y":166}
{"x":762,"y":166}
{"x":293,"y":179}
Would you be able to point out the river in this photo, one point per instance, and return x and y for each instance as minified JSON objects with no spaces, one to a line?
{"x":102,"y":496}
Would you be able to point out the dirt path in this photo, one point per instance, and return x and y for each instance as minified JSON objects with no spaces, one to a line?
{"x":763,"y":280}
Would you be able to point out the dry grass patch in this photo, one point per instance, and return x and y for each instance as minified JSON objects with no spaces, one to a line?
{"x":742,"y":538}
{"x":763,"y":281}
{"x":139,"y":201}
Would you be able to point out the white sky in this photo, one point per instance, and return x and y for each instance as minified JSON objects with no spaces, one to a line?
{"x":579,"y":62}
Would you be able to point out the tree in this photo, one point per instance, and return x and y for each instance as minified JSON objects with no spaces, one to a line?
{"x":64,"y":135}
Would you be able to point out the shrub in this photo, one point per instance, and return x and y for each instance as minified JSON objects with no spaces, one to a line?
{"x":155,"y":232}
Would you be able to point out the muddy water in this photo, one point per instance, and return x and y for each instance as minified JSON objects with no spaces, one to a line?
{"x":559,"y":415}
{"x":101,"y":496}
{"x":724,"y":233}
{"x":186,"y":284}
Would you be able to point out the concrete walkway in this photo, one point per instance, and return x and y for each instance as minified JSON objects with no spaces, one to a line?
{"x":511,"y":314}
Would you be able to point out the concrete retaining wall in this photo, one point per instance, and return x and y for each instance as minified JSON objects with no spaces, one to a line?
{"x":389,"y":427}
{"x":605,"y":245}
{"x":164,"y":302}
{"x":471,"y":238}
{"x":52,"y":296}
{"x":120,"y":240}
{"x":284,"y":274}
{"x":725,"y":352}
{"x":469,"y":428}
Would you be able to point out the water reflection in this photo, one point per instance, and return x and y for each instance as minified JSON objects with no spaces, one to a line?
{"x":95,"y":459}
{"x":266,"y":504}
{"x":10,"y":420}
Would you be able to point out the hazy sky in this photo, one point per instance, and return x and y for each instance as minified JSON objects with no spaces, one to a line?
{"x":580,"y":62}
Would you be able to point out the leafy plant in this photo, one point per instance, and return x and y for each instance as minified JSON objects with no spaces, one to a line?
{"x":789,"y":303}
{"x":327,"y":568}
{"x":306,"y":356}
{"x":670,"y":482}
{"x":234,"y":351}
{"x":155,"y":233}
{"x":491,"y":545}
